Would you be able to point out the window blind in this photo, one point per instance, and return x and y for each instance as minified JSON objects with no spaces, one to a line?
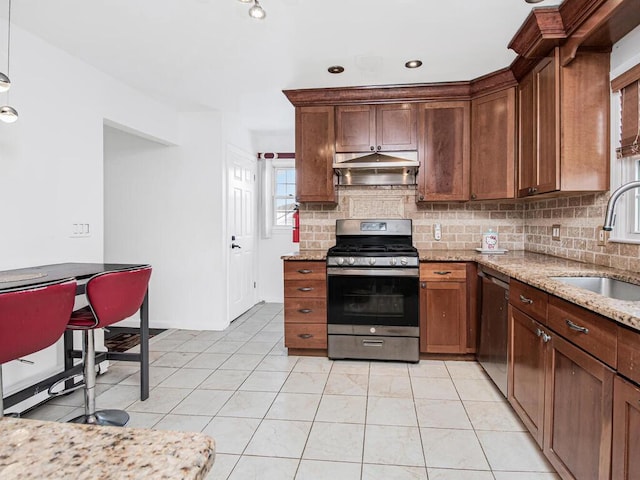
{"x":629,"y":86}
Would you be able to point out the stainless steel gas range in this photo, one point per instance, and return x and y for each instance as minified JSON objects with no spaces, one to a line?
{"x":373,"y":292}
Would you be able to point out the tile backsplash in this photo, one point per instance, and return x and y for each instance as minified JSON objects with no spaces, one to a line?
{"x":462,"y":223}
{"x":521,"y":224}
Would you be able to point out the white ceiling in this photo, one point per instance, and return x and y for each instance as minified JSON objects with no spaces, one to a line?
{"x":209,"y":54}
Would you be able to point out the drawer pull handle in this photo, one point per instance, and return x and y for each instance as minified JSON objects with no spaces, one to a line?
{"x":526,"y":300}
{"x":305,"y":336}
{"x":305,"y":310}
{"x":305,"y":289}
{"x":442,"y":273}
{"x":576,"y":327}
{"x":372,"y":343}
{"x":304,"y":271}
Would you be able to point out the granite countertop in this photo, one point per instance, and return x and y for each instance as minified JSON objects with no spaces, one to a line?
{"x":33,"y":449}
{"x":535,"y":269}
{"x":307,"y":255}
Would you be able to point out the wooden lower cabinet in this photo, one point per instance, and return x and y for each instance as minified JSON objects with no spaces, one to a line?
{"x":443,"y":308}
{"x":625,"y":463}
{"x":527,"y":370}
{"x":578,"y":412}
{"x":563,"y":396}
{"x":305,"y":305}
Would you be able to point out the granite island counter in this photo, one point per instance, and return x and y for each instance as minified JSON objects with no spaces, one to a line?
{"x":33,"y":449}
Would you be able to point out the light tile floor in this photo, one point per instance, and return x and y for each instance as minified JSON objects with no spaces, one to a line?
{"x":283,"y":417}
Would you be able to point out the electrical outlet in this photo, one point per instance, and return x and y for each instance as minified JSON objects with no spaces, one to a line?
{"x":601,"y":236}
{"x":437,"y":232}
{"x":555,"y":232}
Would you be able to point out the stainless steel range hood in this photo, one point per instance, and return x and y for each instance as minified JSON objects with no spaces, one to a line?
{"x":379,"y":168}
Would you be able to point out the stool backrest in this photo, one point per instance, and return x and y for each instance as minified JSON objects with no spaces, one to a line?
{"x":32,"y":318}
{"x":117,"y":294}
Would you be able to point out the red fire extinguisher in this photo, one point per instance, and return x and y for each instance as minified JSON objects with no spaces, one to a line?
{"x":296,"y":226}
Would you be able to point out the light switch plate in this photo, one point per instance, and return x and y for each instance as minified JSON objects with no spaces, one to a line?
{"x":555,"y":232}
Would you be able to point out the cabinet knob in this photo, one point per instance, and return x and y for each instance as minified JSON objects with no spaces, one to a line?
{"x":378,"y":148}
{"x":423,"y":284}
{"x":473,"y":196}
{"x":305,"y":310}
{"x":305,"y":336}
{"x":421,"y":197}
{"x":372,"y":148}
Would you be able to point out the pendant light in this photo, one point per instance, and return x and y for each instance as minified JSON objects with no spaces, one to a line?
{"x":257,"y":11}
{"x":8,"y":114}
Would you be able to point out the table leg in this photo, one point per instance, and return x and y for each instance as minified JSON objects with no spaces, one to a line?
{"x":144,"y":348}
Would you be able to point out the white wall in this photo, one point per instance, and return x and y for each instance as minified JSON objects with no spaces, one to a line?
{"x":51,"y":165}
{"x":163,"y":206}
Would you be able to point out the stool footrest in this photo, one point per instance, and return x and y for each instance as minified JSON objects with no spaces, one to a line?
{"x":77,"y":386}
{"x":111,"y":418}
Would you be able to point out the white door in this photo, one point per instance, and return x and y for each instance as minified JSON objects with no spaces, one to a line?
{"x":241,"y":230}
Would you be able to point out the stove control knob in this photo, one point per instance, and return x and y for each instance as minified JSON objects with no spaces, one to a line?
{"x":404,"y":261}
{"x":393,"y":260}
{"x":340,"y":261}
{"x":351,"y":260}
{"x":372,"y":261}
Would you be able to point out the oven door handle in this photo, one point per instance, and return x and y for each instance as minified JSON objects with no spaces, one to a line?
{"x":373,"y":272}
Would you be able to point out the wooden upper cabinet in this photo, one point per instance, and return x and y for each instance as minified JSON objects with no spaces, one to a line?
{"x":370,"y":128}
{"x":563,"y":125}
{"x":443,"y":151}
{"x":493,"y":137}
{"x":315,"y":147}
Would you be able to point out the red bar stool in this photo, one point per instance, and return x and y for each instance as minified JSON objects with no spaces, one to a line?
{"x":112,"y":296}
{"x":33,"y":318}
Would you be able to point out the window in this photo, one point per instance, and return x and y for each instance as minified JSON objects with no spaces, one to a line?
{"x":626,"y":166}
{"x":284,"y":198}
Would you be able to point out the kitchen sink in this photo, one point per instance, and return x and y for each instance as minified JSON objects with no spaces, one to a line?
{"x":607,"y":287}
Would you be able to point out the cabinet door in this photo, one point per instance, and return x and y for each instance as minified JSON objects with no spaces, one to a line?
{"x":355,"y":128}
{"x":527,"y":371}
{"x":443,"y":307}
{"x":396,"y":127}
{"x":625,"y":463}
{"x":315,"y":140}
{"x":493,"y":124}
{"x":578,"y":409}
{"x":546,"y":77}
{"x":443,"y":151}
{"x":526,"y":136}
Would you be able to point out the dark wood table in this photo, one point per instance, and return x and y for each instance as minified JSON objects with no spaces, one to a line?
{"x":26,"y":277}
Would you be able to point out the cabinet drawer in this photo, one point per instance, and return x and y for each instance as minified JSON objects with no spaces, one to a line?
{"x":591,"y":332}
{"x":529,"y":300}
{"x":305,"y":310}
{"x":629,"y":353}
{"x":305,"y":335}
{"x":305,"y":270}
{"x":305,"y":288}
{"x":443,"y":271}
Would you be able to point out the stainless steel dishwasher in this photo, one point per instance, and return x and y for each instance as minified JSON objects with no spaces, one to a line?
{"x":492,"y":348}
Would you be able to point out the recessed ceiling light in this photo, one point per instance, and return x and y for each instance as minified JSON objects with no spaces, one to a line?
{"x":336,"y":69}
{"x":413,"y":64}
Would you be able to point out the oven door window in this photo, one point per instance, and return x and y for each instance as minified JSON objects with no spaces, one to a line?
{"x":363,"y":300}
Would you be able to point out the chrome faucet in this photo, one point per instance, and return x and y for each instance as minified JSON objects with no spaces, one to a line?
{"x":611,"y":205}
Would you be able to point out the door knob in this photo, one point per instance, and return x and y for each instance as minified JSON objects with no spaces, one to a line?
{"x":235,"y":245}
